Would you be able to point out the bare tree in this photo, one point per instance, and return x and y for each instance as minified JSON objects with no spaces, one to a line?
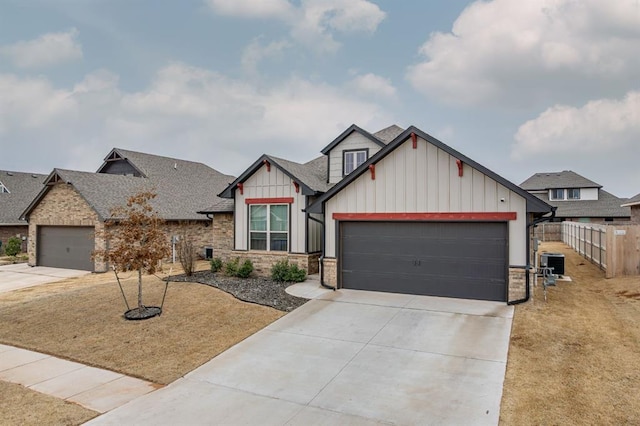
{"x":187,"y":254}
{"x":136,"y":242}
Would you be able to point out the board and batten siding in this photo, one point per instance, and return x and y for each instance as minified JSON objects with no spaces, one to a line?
{"x":425,"y":180}
{"x":354,"y":141}
{"x":273,"y":184}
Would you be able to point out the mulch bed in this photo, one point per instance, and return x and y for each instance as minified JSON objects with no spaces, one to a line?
{"x":260,"y":290}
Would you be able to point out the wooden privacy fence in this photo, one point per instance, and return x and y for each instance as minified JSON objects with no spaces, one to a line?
{"x":614,"y":248}
{"x":548,"y":231}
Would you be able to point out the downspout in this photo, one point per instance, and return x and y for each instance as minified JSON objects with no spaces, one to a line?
{"x":322,"y":283}
{"x":527,"y":287}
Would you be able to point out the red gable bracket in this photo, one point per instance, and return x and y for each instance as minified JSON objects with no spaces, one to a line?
{"x":283,"y":200}
{"x":372,"y":169}
{"x":460,"y":165}
{"x":268,"y":164}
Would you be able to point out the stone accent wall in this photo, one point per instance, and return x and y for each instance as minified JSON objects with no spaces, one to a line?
{"x":222,"y":235}
{"x":331,"y":271}
{"x":517,"y":283}
{"x":198,"y":232}
{"x":264,"y":260}
{"x":63,"y":206}
{"x":7,"y":232}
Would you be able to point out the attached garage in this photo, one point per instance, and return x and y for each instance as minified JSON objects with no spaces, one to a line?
{"x":66,"y":247}
{"x":451,"y":259}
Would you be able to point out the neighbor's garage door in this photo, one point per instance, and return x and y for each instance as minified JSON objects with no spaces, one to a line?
{"x":65,"y":247}
{"x":452,"y":259}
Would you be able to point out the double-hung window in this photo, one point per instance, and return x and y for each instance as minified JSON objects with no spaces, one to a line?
{"x":557,"y":194}
{"x":573,"y":194}
{"x":269,"y":227}
{"x":353,"y":159}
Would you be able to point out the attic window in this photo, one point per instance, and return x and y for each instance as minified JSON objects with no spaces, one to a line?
{"x":353,"y":159}
{"x":573,"y":194}
{"x":3,"y":189}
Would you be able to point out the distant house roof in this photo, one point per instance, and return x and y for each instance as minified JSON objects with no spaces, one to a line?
{"x":22,"y":188}
{"x":552,"y":180}
{"x":633,"y":201}
{"x":312,"y":175}
{"x":534,"y":204}
{"x":607,"y":205}
{"x":183,"y":187}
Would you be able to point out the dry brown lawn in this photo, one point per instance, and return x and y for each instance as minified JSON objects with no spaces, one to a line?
{"x":575,"y":359}
{"x":80,"y":319}
{"x":24,"y":407}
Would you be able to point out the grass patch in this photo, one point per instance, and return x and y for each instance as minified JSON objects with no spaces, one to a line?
{"x":573,"y":359}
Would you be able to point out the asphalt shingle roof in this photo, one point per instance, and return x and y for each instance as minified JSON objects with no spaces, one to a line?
{"x":632,"y":201}
{"x":312,"y":173}
{"x":551,"y":180}
{"x":23,"y":187}
{"x":607,"y":205}
{"x":388,"y":134}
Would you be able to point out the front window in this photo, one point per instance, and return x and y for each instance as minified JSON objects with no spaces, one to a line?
{"x":269,"y":227}
{"x":353,"y":159}
{"x":557,"y":194}
{"x":573,"y":194}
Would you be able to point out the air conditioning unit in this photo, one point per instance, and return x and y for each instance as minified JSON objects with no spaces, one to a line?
{"x":553,"y":260}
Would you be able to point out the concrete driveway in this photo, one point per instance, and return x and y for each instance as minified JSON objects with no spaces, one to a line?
{"x":21,"y":275}
{"x":348,"y":357}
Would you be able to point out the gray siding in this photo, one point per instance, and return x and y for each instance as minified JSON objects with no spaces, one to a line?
{"x":352,"y":142}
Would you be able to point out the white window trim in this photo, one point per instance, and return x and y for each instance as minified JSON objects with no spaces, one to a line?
{"x":551,"y":193}
{"x":268,"y":231}
{"x":353,"y":153}
{"x":573,"y":198}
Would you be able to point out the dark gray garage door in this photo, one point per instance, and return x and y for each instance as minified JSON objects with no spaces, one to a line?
{"x":65,"y":247}
{"x":452,"y":259}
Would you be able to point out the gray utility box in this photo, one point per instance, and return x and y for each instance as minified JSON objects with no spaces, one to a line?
{"x":553,"y":260}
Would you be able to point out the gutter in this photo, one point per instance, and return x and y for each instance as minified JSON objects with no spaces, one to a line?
{"x":322,"y":283}
{"x":534,"y":223}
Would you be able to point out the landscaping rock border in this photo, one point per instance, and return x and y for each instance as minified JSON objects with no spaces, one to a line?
{"x":260,"y":290}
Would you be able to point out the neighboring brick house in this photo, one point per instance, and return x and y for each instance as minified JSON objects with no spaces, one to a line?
{"x":395,"y":211}
{"x":17,"y":189}
{"x":67,"y":218}
{"x":577,"y":198}
{"x":634,"y":205}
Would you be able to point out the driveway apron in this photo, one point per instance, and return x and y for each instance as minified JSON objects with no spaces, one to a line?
{"x":348,"y":357}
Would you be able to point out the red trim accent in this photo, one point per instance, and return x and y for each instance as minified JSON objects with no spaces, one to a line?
{"x":372,"y":168}
{"x":467,"y":216}
{"x":268,"y":164}
{"x":414,"y":139}
{"x":460,"y":164}
{"x":283,"y":200}
{"x":297,"y":185}
{"x":241,"y":188}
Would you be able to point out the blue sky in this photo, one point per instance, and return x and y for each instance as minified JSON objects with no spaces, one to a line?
{"x":520,"y":86}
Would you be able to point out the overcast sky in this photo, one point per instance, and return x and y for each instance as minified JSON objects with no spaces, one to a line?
{"x":520,"y":86}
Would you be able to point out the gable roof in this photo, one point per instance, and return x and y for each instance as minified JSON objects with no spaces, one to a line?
{"x":183,"y":187}
{"x":346,"y":133}
{"x":552,"y":180}
{"x":22,"y":187}
{"x":388,"y":134}
{"x":633,"y":201}
{"x":311,"y":175}
{"x":534,"y":204}
{"x":607,"y":205}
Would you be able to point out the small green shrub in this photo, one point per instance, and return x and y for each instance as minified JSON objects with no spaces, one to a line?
{"x":283,"y":271}
{"x":216,"y":264}
{"x":231,"y":267}
{"x":13,"y":247}
{"x":245,"y":270}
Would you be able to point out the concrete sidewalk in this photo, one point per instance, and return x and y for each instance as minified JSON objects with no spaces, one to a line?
{"x":93,"y":388}
{"x":21,"y":275}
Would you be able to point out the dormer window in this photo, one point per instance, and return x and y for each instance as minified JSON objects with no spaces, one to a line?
{"x":573,"y":194}
{"x":557,"y":194}
{"x":3,"y":189}
{"x":353,"y":159}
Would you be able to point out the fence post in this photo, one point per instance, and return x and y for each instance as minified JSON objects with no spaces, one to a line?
{"x":610,"y":271}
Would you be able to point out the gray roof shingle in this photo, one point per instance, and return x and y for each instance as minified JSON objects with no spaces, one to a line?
{"x":388,"y":134}
{"x":312,"y":173}
{"x":551,"y":180}
{"x":633,"y":201}
{"x":23,"y":187}
{"x":607,"y":205}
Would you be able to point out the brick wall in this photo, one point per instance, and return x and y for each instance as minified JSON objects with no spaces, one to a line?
{"x":330,"y":271}
{"x":517,"y":283}
{"x":264,"y":260}
{"x":222,"y":235}
{"x":198,"y":232}
{"x":7,"y":232}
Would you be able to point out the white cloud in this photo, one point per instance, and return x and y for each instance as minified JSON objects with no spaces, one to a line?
{"x":599,"y":128}
{"x":372,"y":84}
{"x":522,"y":52}
{"x":256,"y":51}
{"x":47,"y":50}
{"x":187,"y":112}
{"x":312,"y":23}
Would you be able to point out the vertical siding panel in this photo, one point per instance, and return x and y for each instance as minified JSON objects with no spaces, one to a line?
{"x":504,"y":194}
{"x":361,"y":192}
{"x":455,"y":187}
{"x":478,"y":191}
{"x":370,"y":195}
{"x":444,"y":160}
{"x":410,"y":175}
{"x":400,"y":179}
{"x":490,"y":195}
{"x":421,"y":176}
{"x":432,"y":178}
{"x":466,"y":189}
{"x":390,"y":186}
{"x":380,"y":187}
